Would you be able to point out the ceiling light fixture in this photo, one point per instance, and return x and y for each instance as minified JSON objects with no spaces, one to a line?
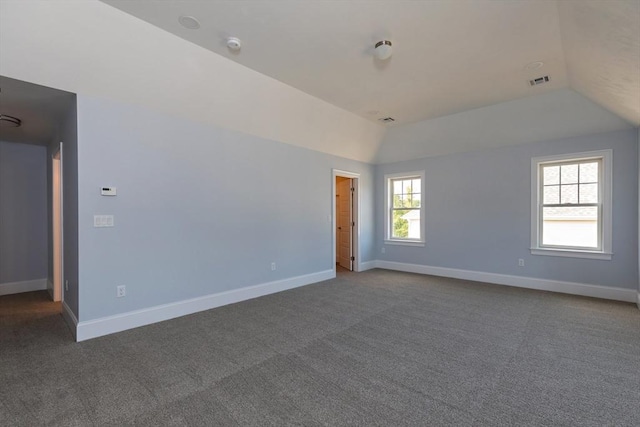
{"x":189,"y":22}
{"x":383,"y":50}
{"x":9,"y":121}
{"x":234,"y":43}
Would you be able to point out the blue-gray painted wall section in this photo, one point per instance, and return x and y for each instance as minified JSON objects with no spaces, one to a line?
{"x":23,"y":212}
{"x":199,"y":210}
{"x":477,"y":212}
{"x":202,"y":210}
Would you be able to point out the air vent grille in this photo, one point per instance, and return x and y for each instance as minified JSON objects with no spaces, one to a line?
{"x":387,"y":119}
{"x":539,"y":81}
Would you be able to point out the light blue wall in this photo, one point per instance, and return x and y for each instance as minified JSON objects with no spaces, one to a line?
{"x":199,"y":210}
{"x":23,"y":212}
{"x":478,"y":212}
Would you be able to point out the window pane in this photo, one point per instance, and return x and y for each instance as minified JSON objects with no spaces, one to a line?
{"x":406,"y":223}
{"x":589,"y":172}
{"x":414,"y":224}
{"x":415,"y":186}
{"x":404,"y":212}
{"x":570,"y":226}
{"x":397,"y":187}
{"x":397,"y":201}
{"x":569,"y":174}
{"x":588,"y":193}
{"x":399,"y":225}
{"x":569,"y":193}
{"x":551,"y":195}
{"x":551,"y":175}
{"x":406,"y":186}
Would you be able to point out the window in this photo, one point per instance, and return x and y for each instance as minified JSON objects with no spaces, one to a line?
{"x":571,"y":205}
{"x":404,"y":222}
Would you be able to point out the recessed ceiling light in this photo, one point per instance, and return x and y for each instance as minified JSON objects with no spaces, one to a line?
{"x":534,"y":65}
{"x":189,"y":22}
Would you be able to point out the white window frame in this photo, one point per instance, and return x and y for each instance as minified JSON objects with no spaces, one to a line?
{"x":389,"y":203}
{"x":605,"y":214}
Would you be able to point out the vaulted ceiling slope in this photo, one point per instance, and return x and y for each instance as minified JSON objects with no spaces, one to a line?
{"x":449,"y":56}
{"x":306,"y":74}
{"x":94,"y":50}
{"x":562,"y":113}
{"x":601,"y":42}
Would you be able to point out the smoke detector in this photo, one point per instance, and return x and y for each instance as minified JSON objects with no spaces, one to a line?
{"x":234,"y":43}
{"x":383,"y":50}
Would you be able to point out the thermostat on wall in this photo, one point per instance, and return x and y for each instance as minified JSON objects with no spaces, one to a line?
{"x":108,"y":191}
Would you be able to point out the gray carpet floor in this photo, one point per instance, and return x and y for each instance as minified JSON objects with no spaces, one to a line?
{"x":373,"y":348}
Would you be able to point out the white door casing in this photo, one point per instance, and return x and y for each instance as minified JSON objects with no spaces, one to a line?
{"x":57,"y":223}
{"x":355,"y":215}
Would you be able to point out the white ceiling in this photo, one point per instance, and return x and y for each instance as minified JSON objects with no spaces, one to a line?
{"x":449,"y":56}
{"x":40,"y":108}
{"x":602,"y":48}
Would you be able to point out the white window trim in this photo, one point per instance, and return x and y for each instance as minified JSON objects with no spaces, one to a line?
{"x":605,"y":253}
{"x":388,"y":240}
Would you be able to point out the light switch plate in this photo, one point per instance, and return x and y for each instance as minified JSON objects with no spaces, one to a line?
{"x":103,"y":221}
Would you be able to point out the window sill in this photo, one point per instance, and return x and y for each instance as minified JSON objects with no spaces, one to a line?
{"x":572,"y":253}
{"x":404,"y":242}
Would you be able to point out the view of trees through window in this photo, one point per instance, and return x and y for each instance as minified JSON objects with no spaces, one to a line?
{"x":405,"y":210}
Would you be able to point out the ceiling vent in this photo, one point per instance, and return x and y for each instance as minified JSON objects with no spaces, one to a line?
{"x":387,"y":119}
{"x":539,"y":81}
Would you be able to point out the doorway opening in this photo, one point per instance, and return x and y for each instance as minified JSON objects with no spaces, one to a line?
{"x":346,"y":221}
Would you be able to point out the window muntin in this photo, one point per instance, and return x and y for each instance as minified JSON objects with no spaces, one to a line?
{"x":404,"y":211}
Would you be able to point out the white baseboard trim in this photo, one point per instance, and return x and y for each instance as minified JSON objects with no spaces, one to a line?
{"x":121,"y":322}
{"x":604,"y":292}
{"x":24,"y":286}
{"x":367,"y":265}
{"x":71,"y":319}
